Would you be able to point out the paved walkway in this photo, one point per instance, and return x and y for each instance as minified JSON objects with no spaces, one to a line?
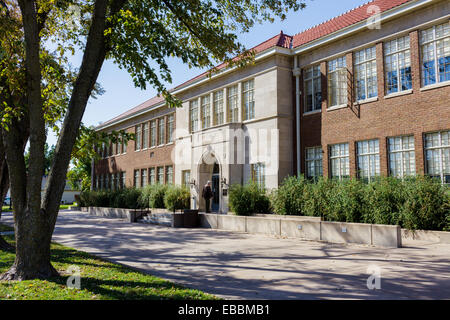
{"x":243,"y":266}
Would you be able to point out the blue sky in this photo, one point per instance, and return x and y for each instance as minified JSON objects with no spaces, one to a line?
{"x":121,"y":95}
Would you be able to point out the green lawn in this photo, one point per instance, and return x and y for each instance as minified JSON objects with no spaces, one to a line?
{"x":100,"y":280}
{"x":61,"y":207}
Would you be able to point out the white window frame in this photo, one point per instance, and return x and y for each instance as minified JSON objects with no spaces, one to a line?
{"x":342,"y":158}
{"x":401,"y":151}
{"x":313,"y":78}
{"x":361,"y":155}
{"x":218,"y":107}
{"x":368,"y":59}
{"x":233,"y":103}
{"x":248,"y":99}
{"x":317,"y":158}
{"x":170,"y":127}
{"x":153,"y":133}
{"x":205,"y":111}
{"x":193,"y":115}
{"x":161,"y":135}
{"x":138,"y":141}
{"x":259,"y":174}
{"x":440,"y":149}
{"x":433,"y":41}
{"x":337,"y":75}
{"x":395,"y":54}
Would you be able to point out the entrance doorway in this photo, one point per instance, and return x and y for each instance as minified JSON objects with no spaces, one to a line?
{"x":215,"y":188}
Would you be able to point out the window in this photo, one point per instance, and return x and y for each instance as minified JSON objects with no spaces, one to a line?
{"x":185,"y":177}
{"x":313,"y":162}
{"x":339,"y":161}
{"x":249,"y":99}
{"x":397,"y":60}
{"x":337,"y":82}
{"x":107,"y":181}
{"x":258,"y":174}
{"x":368,"y":159}
{"x":96,"y":183}
{"x":435,"y":49}
{"x":124,"y":146}
{"x":123,"y":181}
{"x":100,"y":183}
{"x":437,"y":153}
{"x":143,"y":178}
{"x":161,"y":131}
{"x":205,"y":112}
{"x":138,"y":138}
{"x":169,"y":174}
{"x":193,"y":115}
{"x":366,"y":74}
{"x":232,"y":101}
{"x":153,"y":133}
{"x":113,"y":147}
{"x":152,"y":177}
{"x":136,"y":179}
{"x":113,"y":181}
{"x":160,"y":175}
{"x":145,"y":136}
{"x":119,"y":146}
{"x":218,"y":107}
{"x":170,"y":124}
{"x":313,"y":89}
{"x":402,"y":160}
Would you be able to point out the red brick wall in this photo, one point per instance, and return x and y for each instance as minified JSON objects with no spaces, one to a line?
{"x":417,"y":113}
{"x":160,"y":156}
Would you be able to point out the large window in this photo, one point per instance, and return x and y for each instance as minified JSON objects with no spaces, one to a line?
{"x":397,"y":61}
{"x":232,"y":101}
{"x":153,"y":133}
{"x":143,"y":178}
{"x":160,"y":175}
{"x":258,"y":174}
{"x":152,"y":176}
{"x":161,"y":131}
{"x":437,"y":151}
{"x":366,"y":74}
{"x":368,"y":159}
{"x":124,"y":146}
{"x":248,"y":96}
{"x":136,"y":182}
{"x":313,"y":89}
{"x":313,"y":162}
{"x":337,"y":82}
{"x":435,"y":48}
{"x":145,"y":135}
{"x":339,"y":161}
{"x":193,"y":115}
{"x":138,"y":141}
{"x":205,"y":112}
{"x":169,"y":174}
{"x":123,"y":182}
{"x":185,"y":177}
{"x":218,"y":107}
{"x":100,"y":183}
{"x":170,"y":125}
{"x":402,"y":159}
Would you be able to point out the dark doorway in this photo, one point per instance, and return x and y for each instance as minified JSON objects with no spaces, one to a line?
{"x":215,"y":188}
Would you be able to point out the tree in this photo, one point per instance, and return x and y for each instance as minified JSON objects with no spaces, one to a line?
{"x":138,"y":36}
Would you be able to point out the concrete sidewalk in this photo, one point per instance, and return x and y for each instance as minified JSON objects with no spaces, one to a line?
{"x":243,"y":266}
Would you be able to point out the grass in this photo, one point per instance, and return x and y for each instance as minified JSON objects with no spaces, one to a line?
{"x":100,"y":280}
{"x":61,"y":207}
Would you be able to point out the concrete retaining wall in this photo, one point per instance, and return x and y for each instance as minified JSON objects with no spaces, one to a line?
{"x":307,"y":229}
{"x":426,"y":235}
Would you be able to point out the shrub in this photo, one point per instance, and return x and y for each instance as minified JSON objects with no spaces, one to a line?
{"x":128,"y":198}
{"x":426,"y":205}
{"x":288,"y":199}
{"x":317,"y":197}
{"x":177,"y":198}
{"x":156,"y":197}
{"x":383,"y":201}
{"x":248,"y":199}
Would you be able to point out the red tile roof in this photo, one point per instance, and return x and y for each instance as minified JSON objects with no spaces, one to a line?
{"x":349,"y":18}
{"x":284,"y":41}
{"x":280,"y":40}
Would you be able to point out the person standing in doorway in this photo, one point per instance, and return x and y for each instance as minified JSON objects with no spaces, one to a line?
{"x":207,"y":195}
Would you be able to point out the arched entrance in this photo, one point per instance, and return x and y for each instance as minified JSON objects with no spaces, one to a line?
{"x":209,"y":170}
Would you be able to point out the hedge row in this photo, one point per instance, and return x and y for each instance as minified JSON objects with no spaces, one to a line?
{"x":152,"y":196}
{"x":415,"y":203}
